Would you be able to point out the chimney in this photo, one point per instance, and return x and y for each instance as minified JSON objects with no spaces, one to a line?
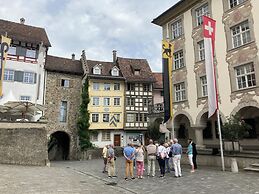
{"x":114,"y":53}
{"x":73,"y":57}
{"x":22,"y":20}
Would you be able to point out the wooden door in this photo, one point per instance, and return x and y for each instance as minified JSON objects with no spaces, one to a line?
{"x":117,"y":140}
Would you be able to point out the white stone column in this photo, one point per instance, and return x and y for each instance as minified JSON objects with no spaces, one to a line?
{"x":199,"y":137}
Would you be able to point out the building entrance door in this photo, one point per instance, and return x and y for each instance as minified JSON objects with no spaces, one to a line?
{"x":117,"y":140}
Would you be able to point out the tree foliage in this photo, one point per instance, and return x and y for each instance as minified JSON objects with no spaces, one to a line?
{"x":153,"y":130}
{"x":235,"y":128}
{"x":83,"y":119}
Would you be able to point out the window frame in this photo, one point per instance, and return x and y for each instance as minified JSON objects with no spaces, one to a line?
{"x":25,"y":98}
{"x":28,"y":79}
{"x":106,"y":101}
{"x":177,"y":29}
{"x":201,"y":50}
{"x":8,"y":75}
{"x":180,"y":92}
{"x":106,"y":136}
{"x":204,"y":86}
{"x":107,"y":86}
{"x":130,"y":117}
{"x":199,"y":12}
{"x":117,"y":101}
{"x":65,"y":83}
{"x":235,"y":3}
{"x":244,"y":76}
{"x":96,"y":84}
{"x":116,"y":86}
{"x":95,"y":117}
{"x":97,"y":71}
{"x":96,"y":99}
{"x":178,"y":60}
{"x":63,"y":113}
{"x":243,"y":36}
{"x":106,"y":117}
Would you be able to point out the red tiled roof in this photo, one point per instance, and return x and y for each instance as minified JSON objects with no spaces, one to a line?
{"x":63,"y":65}
{"x":24,"y":33}
{"x":127,"y":67}
{"x":159,"y":80}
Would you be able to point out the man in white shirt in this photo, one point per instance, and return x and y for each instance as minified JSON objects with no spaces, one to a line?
{"x":161,"y":154}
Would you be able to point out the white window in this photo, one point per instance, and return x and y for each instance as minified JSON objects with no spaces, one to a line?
{"x":145,"y":87}
{"x":65,"y":83}
{"x":201,"y":11}
{"x":204,"y":88}
{"x":95,"y":118}
{"x":116,"y":86}
{"x":31,"y":53}
{"x":94,"y":137}
{"x":245,"y":76}
{"x":145,"y":102}
{"x":107,"y":86}
{"x":63,"y":111}
{"x":130,"y":117}
{"x":137,"y":72}
{"x":96,"y":101}
{"x":8,"y":75}
{"x":12,"y":50}
{"x":25,"y":98}
{"x":106,"y":136}
{"x":201,"y":50}
{"x":28,"y":77}
{"x":177,"y":29}
{"x":178,"y":60}
{"x":116,"y":101}
{"x":106,"y":101}
{"x":233,"y":3}
{"x":117,"y":116}
{"x":115,"y":72}
{"x":180,"y":94}
{"x":97,"y":71}
{"x":241,"y":34}
{"x":106,"y":118}
{"x":96,"y":86}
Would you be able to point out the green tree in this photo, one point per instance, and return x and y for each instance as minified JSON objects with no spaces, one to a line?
{"x":235,"y":128}
{"x":83,"y":119}
{"x":153,"y":130}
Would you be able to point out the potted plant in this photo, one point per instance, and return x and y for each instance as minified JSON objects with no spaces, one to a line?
{"x":233,"y":130}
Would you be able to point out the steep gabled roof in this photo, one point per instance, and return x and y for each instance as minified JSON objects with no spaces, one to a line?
{"x":159,"y":80}
{"x":106,"y":68}
{"x":63,"y":65}
{"x":127,"y":66}
{"x":24,"y":33}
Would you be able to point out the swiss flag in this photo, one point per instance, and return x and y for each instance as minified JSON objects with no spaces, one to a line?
{"x":209,"y":28}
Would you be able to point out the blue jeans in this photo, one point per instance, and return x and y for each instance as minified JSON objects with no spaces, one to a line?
{"x":167,"y":167}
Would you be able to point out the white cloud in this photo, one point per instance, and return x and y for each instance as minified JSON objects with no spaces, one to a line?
{"x":98,"y":26}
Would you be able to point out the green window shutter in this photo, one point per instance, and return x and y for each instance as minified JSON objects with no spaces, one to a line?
{"x":18,"y":76}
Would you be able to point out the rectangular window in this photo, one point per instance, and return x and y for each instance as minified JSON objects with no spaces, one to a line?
{"x":25,"y":98}
{"x":8,"y":75}
{"x":106,"y":136}
{"x":31,"y":53}
{"x":107,"y":86}
{"x":145,"y":117}
{"x":245,"y":76}
{"x":241,"y":34}
{"x":65,"y":83}
{"x":116,"y":86}
{"x":145,"y":87}
{"x":201,"y":50}
{"x":234,"y":3}
{"x":96,"y":86}
{"x":130,"y":87}
{"x":201,"y":11}
{"x":137,"y":72}
{"x":28,"y":77}
{"x":106,"y":101}
{"x":12,"y":50}
{"x":96,"y":101}
{"x":63,"y":112}
{"x":178,"y":60}
{"x":177,"y":29}
{"x":180,"y":93}
{"x":117,"y":116}
{"x":95,"y":118}
{"x":116,"y":101}
{"x":106,"y":118}
{"x":204,"y":89}
{"x":130,"y":117}
{"x":130,"y":101}
{"x":94,"y":137}
{"x":145,"y":102}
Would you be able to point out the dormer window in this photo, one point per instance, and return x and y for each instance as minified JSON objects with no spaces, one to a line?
{"x":115,"y":71}
{"x":97,"y":70}
{"x":137,"y":72}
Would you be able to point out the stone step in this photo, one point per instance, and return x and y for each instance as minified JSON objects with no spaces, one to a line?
{"x":255,"y":165}
{"x":251,"y":169}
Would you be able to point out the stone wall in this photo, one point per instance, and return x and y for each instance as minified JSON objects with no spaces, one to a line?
{"x":55,"y":93}
{"x":24,"y":146}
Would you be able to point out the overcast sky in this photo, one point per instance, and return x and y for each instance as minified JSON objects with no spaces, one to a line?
{"x":96,"y":26}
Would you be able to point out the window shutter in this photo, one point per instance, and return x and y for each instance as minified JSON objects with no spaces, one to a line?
{"x":18,"y":76}
{"x":20,"y":51}
{"x":35,"y":78}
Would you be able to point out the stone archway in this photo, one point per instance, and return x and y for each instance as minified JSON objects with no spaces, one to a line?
{"x":58,"y":146}
{"x":182,"y":128}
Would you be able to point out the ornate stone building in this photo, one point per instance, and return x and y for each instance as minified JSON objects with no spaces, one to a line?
{"x":62,"y":101}
{"x":237,"y":66}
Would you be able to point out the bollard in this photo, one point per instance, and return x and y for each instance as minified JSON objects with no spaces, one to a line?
{"x":234,"y":166}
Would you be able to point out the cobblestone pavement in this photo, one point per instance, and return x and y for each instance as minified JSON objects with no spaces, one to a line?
{"x":87,"y":177}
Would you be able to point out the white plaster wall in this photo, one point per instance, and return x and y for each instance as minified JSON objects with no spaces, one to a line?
{"x":157,"y":97}
{"x":101,"y":143}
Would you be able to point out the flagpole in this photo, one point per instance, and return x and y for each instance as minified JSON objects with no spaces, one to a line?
{"x":220,"y":142}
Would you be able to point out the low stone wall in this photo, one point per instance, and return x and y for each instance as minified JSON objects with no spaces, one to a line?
{"x":96,"y":153}
{"x":23,"y":144}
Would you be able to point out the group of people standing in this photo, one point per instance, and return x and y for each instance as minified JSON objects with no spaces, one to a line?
{"x":164,"y":153}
